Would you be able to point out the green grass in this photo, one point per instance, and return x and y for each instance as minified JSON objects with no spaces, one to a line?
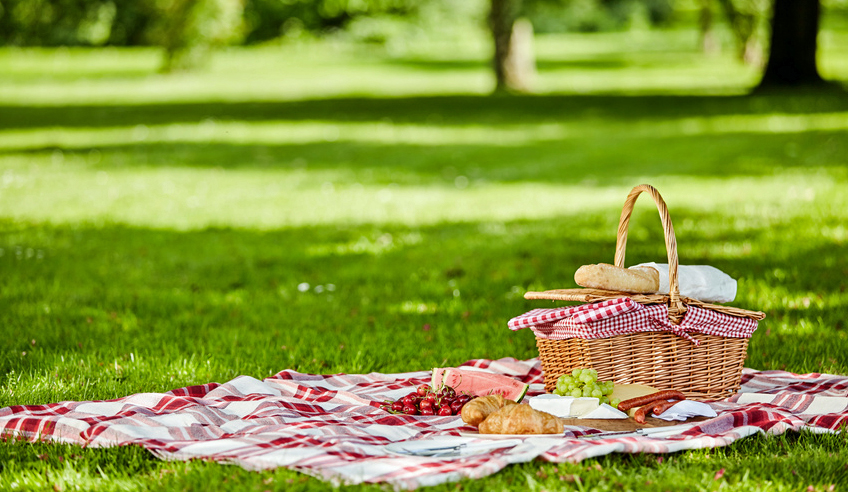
{"x":159,"y":231}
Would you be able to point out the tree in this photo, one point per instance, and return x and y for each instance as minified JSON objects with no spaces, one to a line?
{"x":513,"y":58}
{"x":794,"y":32}
{"x":743,"y":25}
{"x":188,"y":29}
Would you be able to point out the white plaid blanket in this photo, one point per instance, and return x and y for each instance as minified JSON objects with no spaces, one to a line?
{"x":332,"y":426}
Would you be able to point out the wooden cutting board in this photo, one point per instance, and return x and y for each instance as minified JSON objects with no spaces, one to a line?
{"x":616,"y":425}
{"x":606,"y":425}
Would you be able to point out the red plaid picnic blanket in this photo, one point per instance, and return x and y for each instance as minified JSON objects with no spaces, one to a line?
{"x":332,"y":426}
{"x":623,"y":316}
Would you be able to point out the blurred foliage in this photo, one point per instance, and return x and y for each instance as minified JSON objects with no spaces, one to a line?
{"x":187,"y":25}
{"x":595,"y":15}
{"x":186,"y":29}
{"x":269,"y":19}
{"x":55,"y":22}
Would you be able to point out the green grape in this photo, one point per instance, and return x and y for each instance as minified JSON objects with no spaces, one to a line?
{"x":586,"y":378}
{"x":586,"y":392}
{"x":594,"y":373}
{"x":614,"y":402}
{"x":567,"y":379}
{"x":577,"y":393}
{"x":605,"y":399}
{"x":597,"y":393}
{"x":560,"y":388}
{"x":576,"y":373}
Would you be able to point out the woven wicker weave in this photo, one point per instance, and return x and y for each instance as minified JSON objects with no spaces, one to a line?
{"x":711,"y":370}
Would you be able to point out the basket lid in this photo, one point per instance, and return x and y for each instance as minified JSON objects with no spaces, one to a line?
{"x":597,"y":295}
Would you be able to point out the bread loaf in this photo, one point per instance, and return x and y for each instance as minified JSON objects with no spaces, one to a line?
{"x":637,"y":280}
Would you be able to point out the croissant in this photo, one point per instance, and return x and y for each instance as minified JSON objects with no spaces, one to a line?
{"x":521,"y":419}
{"x":479,"y":408}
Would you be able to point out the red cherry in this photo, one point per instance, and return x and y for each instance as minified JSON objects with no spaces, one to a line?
{"x":456,"y":406}
{"x":410,"y":399}
{"x":431,"y":398}
{"x":425,"y":404}
{"x":447,"y":391}
{"x":445,"y":411}
{"x":397,"y":406}
{"x":410,"y":410}
{"x":427,"y":411}
{"x":424,"y":389}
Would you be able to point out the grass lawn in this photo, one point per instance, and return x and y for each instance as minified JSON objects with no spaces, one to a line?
{"x":158,"y":231}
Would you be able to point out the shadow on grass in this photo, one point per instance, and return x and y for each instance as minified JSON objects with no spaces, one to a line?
{"x":570,"y":160}
{"x":434,"y":110}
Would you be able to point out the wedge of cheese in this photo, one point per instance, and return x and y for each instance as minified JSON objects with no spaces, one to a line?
{"x":628,"y":391}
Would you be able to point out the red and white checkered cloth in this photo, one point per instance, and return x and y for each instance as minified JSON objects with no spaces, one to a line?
{"x":624,"y":316}
{"x":332,"y":426}
{"x":583,"y":313}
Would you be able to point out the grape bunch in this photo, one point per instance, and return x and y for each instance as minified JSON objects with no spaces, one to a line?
{"x":427,"y":401}
{"x":584,"y":383}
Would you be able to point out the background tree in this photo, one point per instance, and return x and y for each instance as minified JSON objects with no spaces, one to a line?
{"x":743,"y":18}
{"x":188,"y":29}
{"x":794,"y":43}
{"x":513,"y":54}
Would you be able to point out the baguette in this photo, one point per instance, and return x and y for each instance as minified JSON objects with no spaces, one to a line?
{"x":636,"y":280}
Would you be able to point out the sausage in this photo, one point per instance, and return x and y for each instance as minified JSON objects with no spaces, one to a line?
{"x":660,"y":408}
{"x":655,"y":407}
{"x":644,"y":400}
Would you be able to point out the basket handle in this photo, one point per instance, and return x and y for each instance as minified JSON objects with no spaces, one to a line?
{"x":676,"y":308}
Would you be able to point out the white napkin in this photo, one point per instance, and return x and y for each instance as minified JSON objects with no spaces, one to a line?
{"x":686,"y":409}
{"x":701,"y":282}
{"x":605,"y":411}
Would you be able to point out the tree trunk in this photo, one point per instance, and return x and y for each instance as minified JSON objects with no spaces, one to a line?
{"x":513,"y":61}
{"x":792,"y":58}
{"x":709,"y":43}
{"x":743,"y":25}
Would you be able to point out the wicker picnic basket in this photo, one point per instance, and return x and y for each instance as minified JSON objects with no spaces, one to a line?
{"x":712,"y":370}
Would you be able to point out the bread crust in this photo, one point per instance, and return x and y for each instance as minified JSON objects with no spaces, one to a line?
{"x":636,"y":280}
{"x":481,"y":407}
